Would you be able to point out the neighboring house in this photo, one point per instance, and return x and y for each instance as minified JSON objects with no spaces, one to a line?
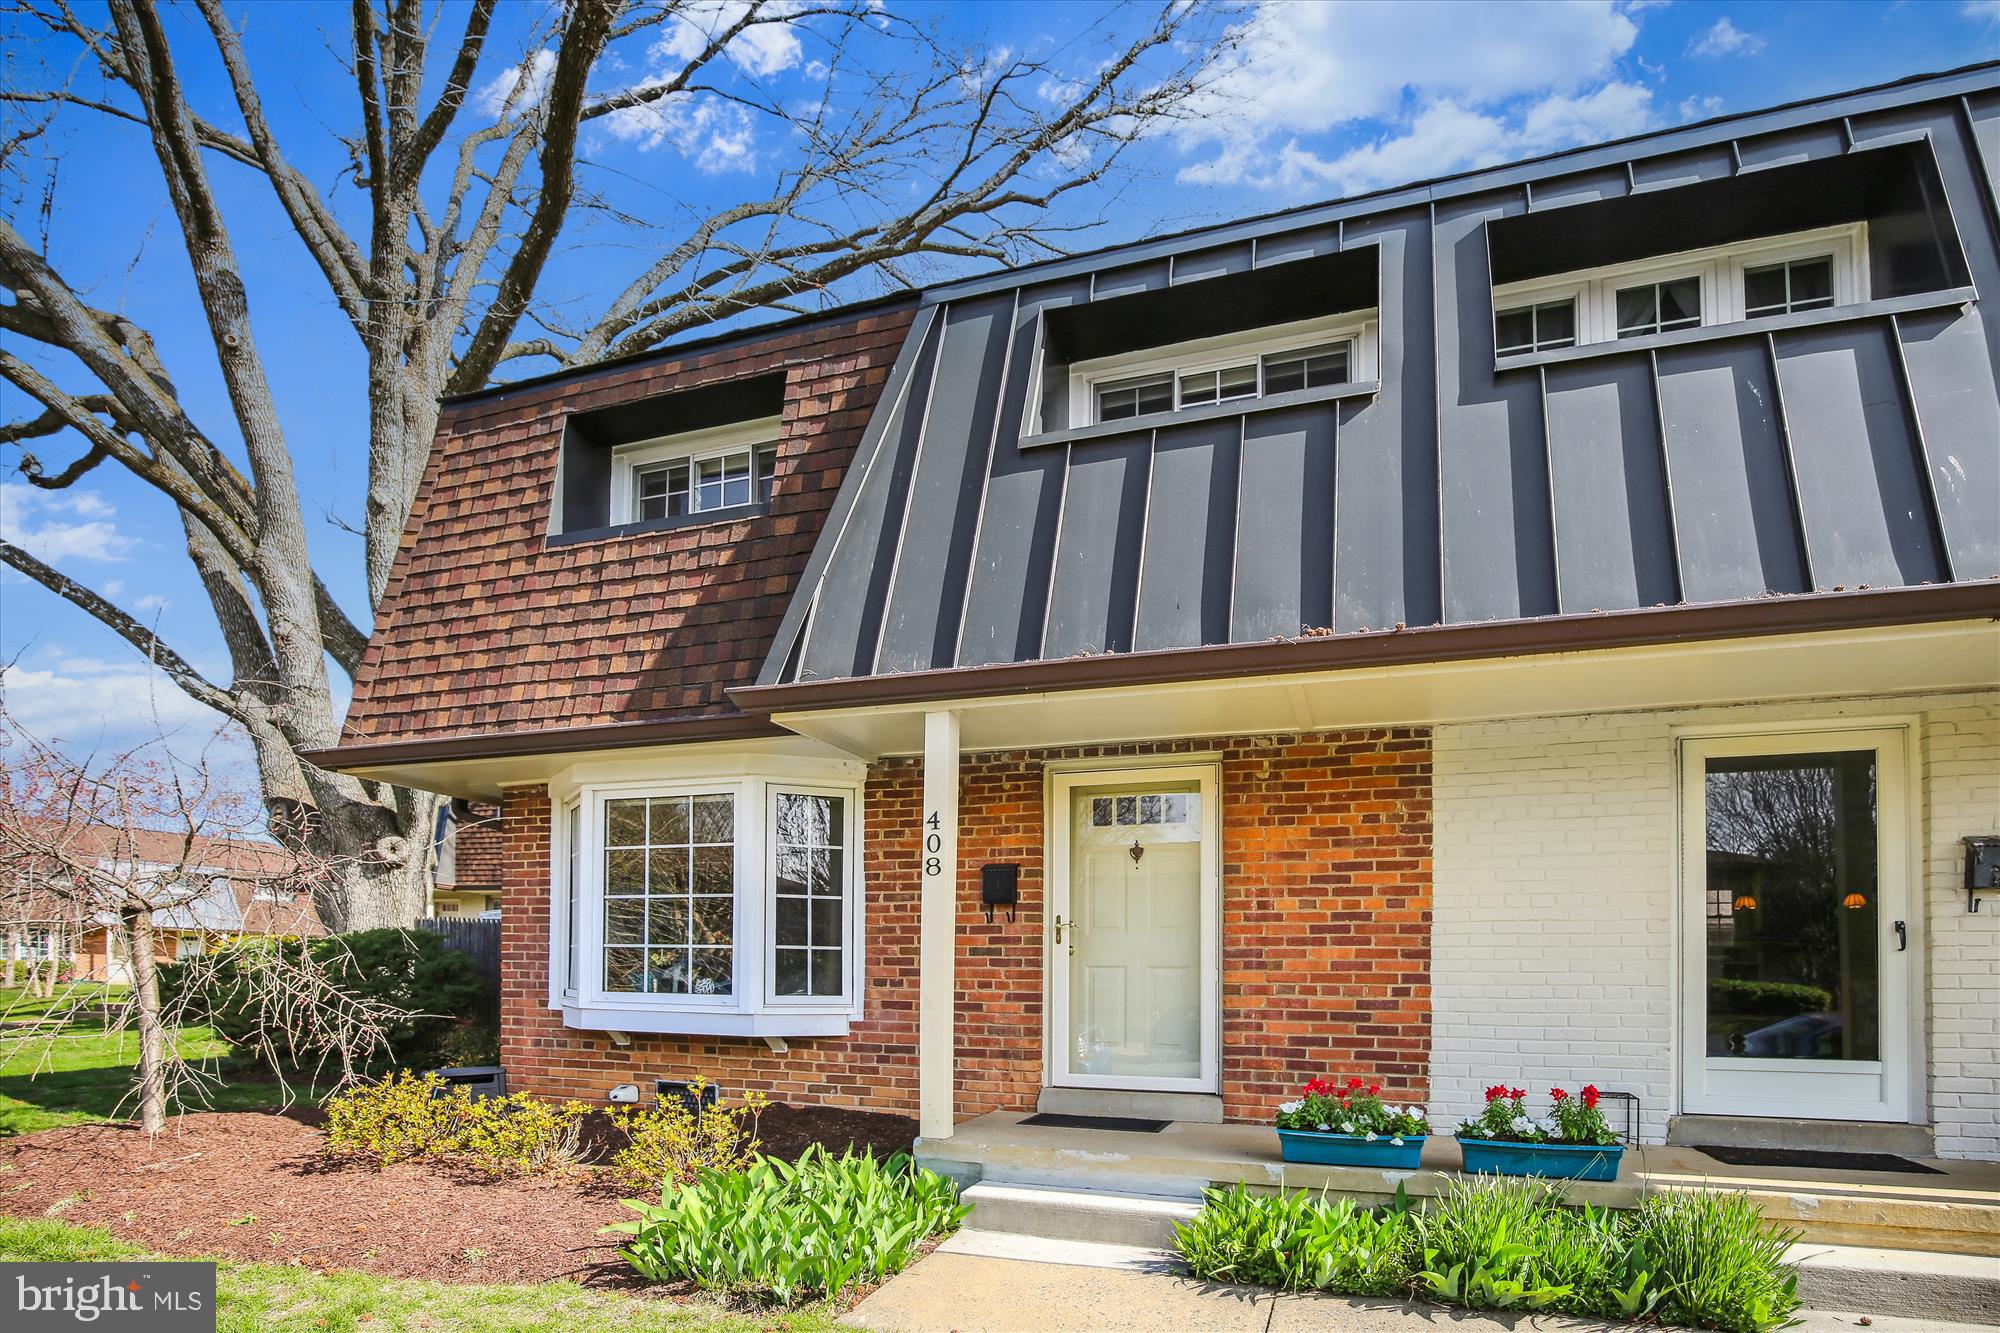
{"x":234,"y":886}
{"x":470,"y":851}
{"x":1533,"y":626}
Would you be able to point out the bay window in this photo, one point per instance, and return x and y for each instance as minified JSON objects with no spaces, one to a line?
{"x":727,"y":904}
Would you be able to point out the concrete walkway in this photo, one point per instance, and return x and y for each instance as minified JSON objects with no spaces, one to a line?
{"x":984,"y":1293}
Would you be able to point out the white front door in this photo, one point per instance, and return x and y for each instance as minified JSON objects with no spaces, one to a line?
{"x":1795,"y":858}
{"x":1134,"y":930}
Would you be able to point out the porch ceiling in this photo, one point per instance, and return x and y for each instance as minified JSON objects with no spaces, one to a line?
{"x":1905,"y":659}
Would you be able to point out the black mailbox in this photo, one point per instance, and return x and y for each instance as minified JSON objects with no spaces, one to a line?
{"x":1000,"y":886}
{"x":1982,"y":868}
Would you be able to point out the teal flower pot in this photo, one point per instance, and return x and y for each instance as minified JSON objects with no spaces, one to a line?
{"x":1310,"y":1145}
{"x":1555,"y":1161}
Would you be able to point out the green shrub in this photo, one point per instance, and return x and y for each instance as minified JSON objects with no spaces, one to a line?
{"x":409,"y":970}
{"x":1299,"y":1242}
{"x":791,"y":1231}
{"x":408,"y":1117}
{"x":1688,"y":1258}
{"x":1771,"y":999}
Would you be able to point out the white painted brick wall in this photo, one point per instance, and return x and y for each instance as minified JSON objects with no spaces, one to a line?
{"x":1555,"y":869}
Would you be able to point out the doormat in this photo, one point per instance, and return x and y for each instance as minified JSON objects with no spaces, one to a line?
{"x":1833,"y":1161}
{"x":1052,"y":1120}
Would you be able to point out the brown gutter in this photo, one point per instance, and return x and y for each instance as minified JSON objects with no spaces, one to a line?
{"x":1802,"y":614}
{"x":550,"y":740}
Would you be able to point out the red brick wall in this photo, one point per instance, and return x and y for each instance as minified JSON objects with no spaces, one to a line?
{"x":1326,"y":937}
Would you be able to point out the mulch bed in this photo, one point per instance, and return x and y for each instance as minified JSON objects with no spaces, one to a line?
{"x":252,"y":1185}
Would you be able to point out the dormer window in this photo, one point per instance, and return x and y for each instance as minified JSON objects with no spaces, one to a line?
{"x":1781,"y":289}
{"x":695,"y":473}
{"x":1656,"y":307}
{"x":1312,"y":354}
{"x":1535,"y":328}
{"x":1725,"y":284}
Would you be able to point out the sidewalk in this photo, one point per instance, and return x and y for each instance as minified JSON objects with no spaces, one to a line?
{"x":979,"y":1293}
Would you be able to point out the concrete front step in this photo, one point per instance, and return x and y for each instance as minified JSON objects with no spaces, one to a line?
{"x":1743,"y":1131}
{"x":1917,"y":1283}
{"x":1098,"y":1216}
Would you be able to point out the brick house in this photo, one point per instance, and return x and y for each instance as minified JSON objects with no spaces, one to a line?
{"x":1535,"y":626}
{"x":471,"y":851}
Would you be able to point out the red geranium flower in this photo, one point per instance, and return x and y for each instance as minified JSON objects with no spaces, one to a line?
{"x":1353,"y":1082}
{"x":1558,"y":1095}
{"x":1518,"y":1093}
{"x":1496,"y":1092}
{"x":1590,"y":1094}
{"x":1374,"y":1089}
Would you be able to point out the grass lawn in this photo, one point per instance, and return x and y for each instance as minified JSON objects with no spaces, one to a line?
{"x":86,"y":1073}
{"x":259,"y":1296}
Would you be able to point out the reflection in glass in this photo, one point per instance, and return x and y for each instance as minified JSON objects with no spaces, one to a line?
{"x":810,"y":947}
{"x":653,"y":861}
{"x":1793,"y":962}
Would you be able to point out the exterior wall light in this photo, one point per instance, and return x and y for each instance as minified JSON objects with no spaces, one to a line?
{"x":1745,"y":903}
{"x":1854,"y":902}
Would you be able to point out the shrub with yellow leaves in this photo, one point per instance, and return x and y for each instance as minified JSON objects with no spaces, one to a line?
{"x":668,"y":1141}
{"x":410,"y":1116}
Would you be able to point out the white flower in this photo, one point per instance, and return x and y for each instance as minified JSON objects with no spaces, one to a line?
{"x":1372,"y":1136}
{"x":1347,"y":1126}
{"x":1323,"y":1126}
{"x":1397,"y":1141}
{"x":1415,"y":1112}
{"x":1522,"y":1124}
{"x":1289,"y":1107}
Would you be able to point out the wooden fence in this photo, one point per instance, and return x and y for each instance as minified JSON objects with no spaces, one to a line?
{"x":478,"y":940}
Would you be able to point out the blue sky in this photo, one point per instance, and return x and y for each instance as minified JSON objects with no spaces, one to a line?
{"x":1323,"y":100}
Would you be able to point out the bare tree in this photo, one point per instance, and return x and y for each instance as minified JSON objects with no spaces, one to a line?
{"x":134,"y":844}
{"x":472,"y":183}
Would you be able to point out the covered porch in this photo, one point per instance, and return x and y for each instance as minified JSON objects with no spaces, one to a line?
{"x":1956,"y":1211}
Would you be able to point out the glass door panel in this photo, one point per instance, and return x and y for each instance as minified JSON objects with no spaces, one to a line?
{"x":1793,"y":962}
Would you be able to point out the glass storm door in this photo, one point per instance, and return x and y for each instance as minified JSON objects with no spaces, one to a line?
{"x":1133,"y":959}
{"x":1797,"y":979}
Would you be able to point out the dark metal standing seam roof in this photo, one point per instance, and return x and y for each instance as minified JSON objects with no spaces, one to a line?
{"x":1856,"y":448}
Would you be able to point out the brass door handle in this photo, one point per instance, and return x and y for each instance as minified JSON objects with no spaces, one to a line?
{"x":1059,"y":927}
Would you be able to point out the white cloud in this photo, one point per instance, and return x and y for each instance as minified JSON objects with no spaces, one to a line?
{"x":1981,"y":11}
{"x":763,"y":49}
{"x":498,"y":96}
{"x":83,"y":701}
{"x":715,"y":135}
{"x":1457,"y":85}
{"x":1701,"y":108}
{"x":1724,"y":38}
{"x":61,"y":526}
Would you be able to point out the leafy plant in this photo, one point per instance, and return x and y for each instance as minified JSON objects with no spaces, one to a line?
{"x":1717,"y":1264}
{"x":1693,"y":1258}
{"x":791,"y":1231}
{"x":410,"y":1116}
{"x":1354,"y":1108}
{"x":674,"y":1140}
{"x":1299,"y":1242}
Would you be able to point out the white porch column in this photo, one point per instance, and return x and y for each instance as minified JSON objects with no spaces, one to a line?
{"x":937,"y":943}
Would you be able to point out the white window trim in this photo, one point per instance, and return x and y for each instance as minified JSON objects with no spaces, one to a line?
{"x":1720,"y":269}
{"x":850,"y":981}
{"x":749,"y":1010}
{"x":694,"y":447}
{"x":1361,"y":327}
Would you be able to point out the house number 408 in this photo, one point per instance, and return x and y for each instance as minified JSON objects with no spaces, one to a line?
{"x":933,"y":844}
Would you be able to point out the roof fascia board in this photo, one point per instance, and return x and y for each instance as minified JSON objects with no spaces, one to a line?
{"x":1426,"y":644}
{"x":550,"y":740}
{"x":1640,"y":147}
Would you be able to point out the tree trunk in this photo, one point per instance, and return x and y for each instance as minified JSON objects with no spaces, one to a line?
{"x":152,"y":1036}
{"x":12,"y":936}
